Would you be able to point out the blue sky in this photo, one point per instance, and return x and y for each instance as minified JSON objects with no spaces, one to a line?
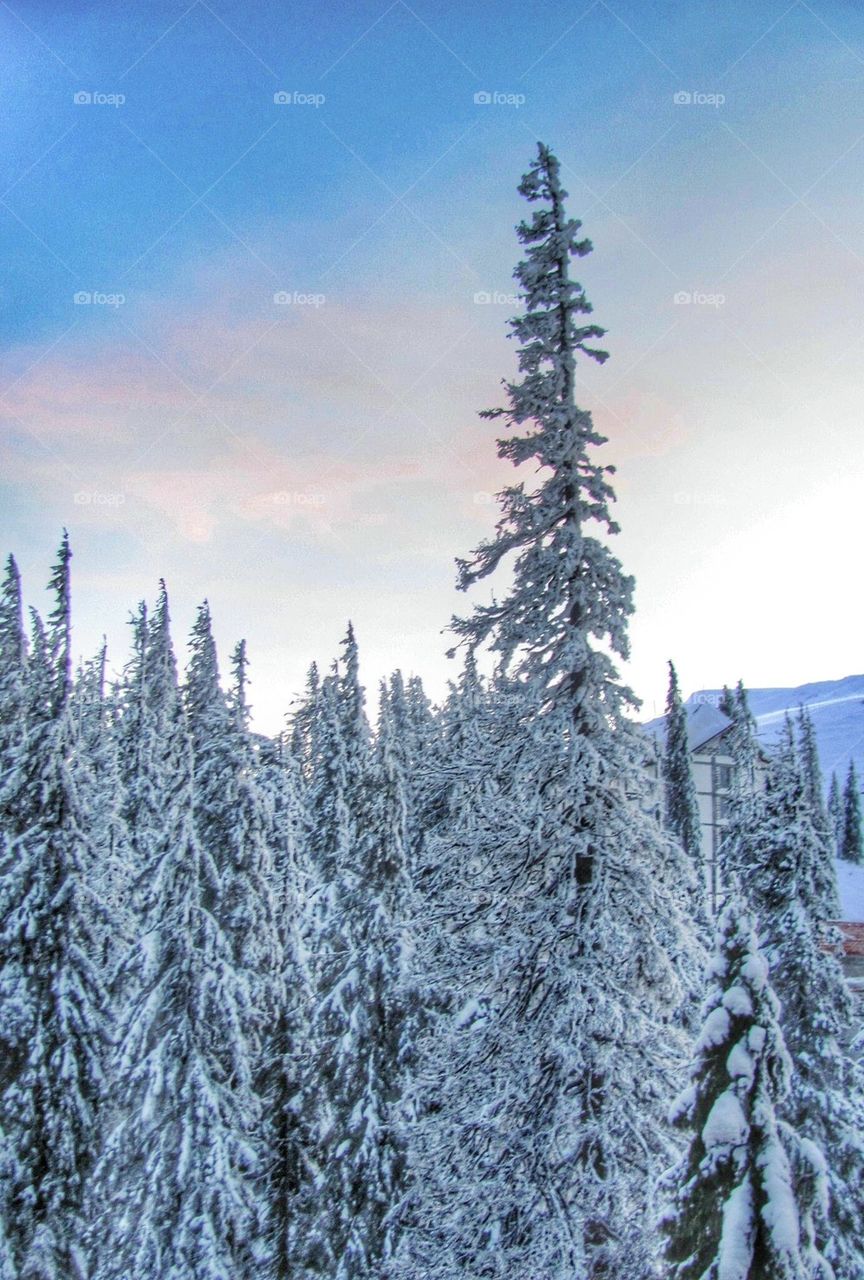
{"x":302,"y":462}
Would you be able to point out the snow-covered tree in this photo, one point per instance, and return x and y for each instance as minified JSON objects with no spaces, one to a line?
{"x":178,"y":1185}
{"x":542,"y":1157}
{"x":415,"y":736}
{"x":835,"y":811}
{"x":13,"y":668}
{"x":348,"y":1212}
{"x":734,"y":1212}
{"x":54,"y":1010}
{"x":681,"y":806}
{"x":231,"y":821}
{"x":852,"y":843}
{"x":97,"y":771}
{"x":262,"y":885}
{"x":743,"y":739}
{"x":778,"y":861}
{"x":826,"y":897}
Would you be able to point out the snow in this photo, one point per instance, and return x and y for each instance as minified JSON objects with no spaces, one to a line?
{"x":740,"y":1062}
{"x":715,"y":1029}
{"x":780,"y":1212}
{"x":736,"y":1241}
{"x":850,"y":882}
{"x":726,"y":1124}
{"x":737,"y":1001}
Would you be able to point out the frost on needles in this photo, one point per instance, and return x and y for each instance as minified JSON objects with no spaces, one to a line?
{"x":572,"y":956}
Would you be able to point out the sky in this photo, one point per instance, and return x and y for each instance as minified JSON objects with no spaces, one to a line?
{"x":257,"y":274}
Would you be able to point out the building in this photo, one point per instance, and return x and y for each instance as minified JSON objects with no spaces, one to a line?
{"x":713,"y":774}
{"x":712,"y":765}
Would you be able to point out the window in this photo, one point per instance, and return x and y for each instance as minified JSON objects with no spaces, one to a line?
{"x":724,"y":777}
{"x":724,"y":809}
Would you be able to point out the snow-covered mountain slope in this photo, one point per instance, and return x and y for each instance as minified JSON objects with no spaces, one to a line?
{"x":850,"y":881}
{"x":837,"y":710}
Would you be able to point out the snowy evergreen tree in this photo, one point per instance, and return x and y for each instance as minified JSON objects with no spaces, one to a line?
{"x":726,"y":702}
{"x":734,"y":1213}
{"x":835,"y":812}
{"x":415,"y":738}
{"x":852,"y":843}
{"x":54,"y":1006}
{"x":746,"y":787}
{"x":179,"y":1179}
{"x":778,"y":860}
{"x":681,"y":806}
{"x":743,"y":739}
{"x":14,"y":1011}
{"x":826,"y":897}
{"x":261,"y":887}
{"x":231,"y":820}
{"x":13,"y":669}
{"x":349,"y":1211}
{"x":97,"y":772}
{"x":542,"y":1158}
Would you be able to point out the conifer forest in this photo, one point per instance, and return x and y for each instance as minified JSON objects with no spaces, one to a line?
{"x":417,"y":991}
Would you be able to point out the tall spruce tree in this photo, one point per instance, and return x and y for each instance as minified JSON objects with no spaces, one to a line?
{"x":744,"y":743}
{"x":97,"y":773}
{"x":835,"y":812}
{"x":681,"y":806}
{"x":231,"y":821}
{"x":734,"y":1213}
{"x":13,"y":660}
{"x":726,"y":702}
{"x":348,"y":1212}
{"x":826,"y":898}
{"x":278,"y":792}
{"x":542,"y":1158}
{"x":852,"y":843}
{"x":13,"y":670}
{"x":179,"y":1181}
{"x":54,"y":1004}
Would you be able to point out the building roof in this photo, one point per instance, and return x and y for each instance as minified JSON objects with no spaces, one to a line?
{"x":704,"y":722}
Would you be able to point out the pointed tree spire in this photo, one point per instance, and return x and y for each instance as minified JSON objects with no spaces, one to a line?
{"x":543,"y":1138}
{"x":59,"y":631}
{"x":825,"y":904}
{"x":852,"y":844}
{"x":835,"y":812}
{"x":178,"y":1188}
{"x":726,"y":702}
{"x":13,"y":672}
{"x":53,"y":1003}
{"x":681,"y":805}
